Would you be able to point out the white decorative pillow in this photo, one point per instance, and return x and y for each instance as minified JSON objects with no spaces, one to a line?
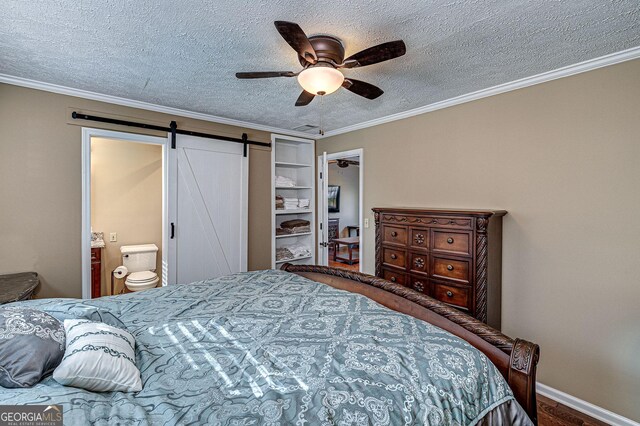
{"x":98,"y":357}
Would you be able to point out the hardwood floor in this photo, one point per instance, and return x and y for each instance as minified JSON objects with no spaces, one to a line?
{"x":552,"y":413}
{"x":343,"y":265}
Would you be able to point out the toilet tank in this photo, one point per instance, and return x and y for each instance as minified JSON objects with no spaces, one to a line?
{"x":139,"y":258}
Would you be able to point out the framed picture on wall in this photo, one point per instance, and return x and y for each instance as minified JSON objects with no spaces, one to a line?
{"x":333,"y":202}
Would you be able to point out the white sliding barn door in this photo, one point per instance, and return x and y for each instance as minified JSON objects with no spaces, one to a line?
{"x":208,"y":206}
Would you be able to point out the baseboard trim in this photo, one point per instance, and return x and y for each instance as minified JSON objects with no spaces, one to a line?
{"x":585,"y":407}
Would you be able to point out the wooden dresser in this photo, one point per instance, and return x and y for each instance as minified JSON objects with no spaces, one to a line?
{"x":454,"y":256}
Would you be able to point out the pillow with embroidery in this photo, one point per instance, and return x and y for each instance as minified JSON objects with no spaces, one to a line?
{"x":99,"y":358}
{"x":31,"y":346}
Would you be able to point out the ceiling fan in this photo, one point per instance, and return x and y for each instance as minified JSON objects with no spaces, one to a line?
{"x":344,"y":163}
{"x":321,"y":57}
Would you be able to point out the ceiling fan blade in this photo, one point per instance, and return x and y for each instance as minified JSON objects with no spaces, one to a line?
{"x":373,"y":55}
{"x":293,"y":34}
{"x":361,"y":88}
{"x":305,"y":98}
{"x":266,"y":74}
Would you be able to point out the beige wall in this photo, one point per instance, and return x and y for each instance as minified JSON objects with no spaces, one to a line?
{"x":40,"y":183}
{"x":126,"y":198}
{"x":564,"y":159}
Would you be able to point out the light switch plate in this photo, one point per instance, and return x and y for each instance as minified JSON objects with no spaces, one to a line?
{"x":366,"y":222}
{"x":113,"y":237}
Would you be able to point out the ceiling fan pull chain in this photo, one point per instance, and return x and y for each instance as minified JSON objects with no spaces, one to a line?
{"x":321,"y":112}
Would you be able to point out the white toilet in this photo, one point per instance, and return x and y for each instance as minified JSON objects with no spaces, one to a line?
{"x":140,"y":261}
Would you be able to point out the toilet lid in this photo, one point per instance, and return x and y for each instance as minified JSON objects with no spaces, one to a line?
{"x":142,"y":277}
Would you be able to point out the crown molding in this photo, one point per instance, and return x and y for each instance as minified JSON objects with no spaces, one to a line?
{"x":85,"y":94}
{"x":585,"y":407}
{"x":591,"y":64}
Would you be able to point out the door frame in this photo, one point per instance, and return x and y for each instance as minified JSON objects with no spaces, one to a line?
{"x":85,"y":244}
{"x":322,"y":199}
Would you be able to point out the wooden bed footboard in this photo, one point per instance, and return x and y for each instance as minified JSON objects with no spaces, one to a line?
{"x":516,"y":359}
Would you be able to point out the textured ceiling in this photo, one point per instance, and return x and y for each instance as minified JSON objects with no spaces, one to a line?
{"x":184,"y":54}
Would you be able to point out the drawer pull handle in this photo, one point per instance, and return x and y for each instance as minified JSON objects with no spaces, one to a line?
{"x":393,"y":279}
{"x":393,"y":256}
{"x":449,"y":294}
{"x":450,"y":267}
{"x":452,"y":222}
{"x":450,"y":240}
{"x":394,"y":234}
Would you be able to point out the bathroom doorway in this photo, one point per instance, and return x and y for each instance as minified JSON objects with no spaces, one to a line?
{"x":124,"y":204}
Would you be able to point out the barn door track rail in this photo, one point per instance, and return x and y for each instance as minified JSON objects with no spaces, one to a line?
{"x":173,"y":129}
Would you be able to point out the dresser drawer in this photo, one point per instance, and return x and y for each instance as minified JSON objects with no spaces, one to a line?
{"x":419,"y":284}
{"x":454,"y":242}
{"x":394,"y":234}
{"x":419,"y":263}
{"x":457,"y":296}
{"x":448,"y":222}
{"x":451,"y":269}
{"x":394,"y":257}
{"x":394,"y":276}
{"x":419,"y":238}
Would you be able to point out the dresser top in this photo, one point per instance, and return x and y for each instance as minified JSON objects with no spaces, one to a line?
{"x":440,"y":211}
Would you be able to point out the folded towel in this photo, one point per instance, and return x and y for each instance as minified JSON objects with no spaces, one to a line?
{"x":293,"y":223}
{"x":283,"y":254}
{"x":296,"y":230}
{"x":284,"y":181}
{"x":303,"y":202}
{"x":299,"y":250}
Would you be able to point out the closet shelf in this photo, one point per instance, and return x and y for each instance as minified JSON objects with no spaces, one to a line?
{"x":293,"y":177}
{"x":292,"y":165}
{"x":294,"y":211}
{"x":293,"y":235}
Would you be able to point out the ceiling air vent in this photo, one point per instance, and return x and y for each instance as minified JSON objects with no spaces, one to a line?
{"x":305,"y":128}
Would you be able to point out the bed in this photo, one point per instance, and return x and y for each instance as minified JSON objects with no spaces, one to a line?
{"x":303,"y":345}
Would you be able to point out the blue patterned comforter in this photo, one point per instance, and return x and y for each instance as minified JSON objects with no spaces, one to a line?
{"x":273,"y":348}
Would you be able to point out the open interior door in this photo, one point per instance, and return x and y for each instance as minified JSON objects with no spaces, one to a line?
{"x":323,"y":212}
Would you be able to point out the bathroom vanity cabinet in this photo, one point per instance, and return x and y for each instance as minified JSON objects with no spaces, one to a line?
{"x":96,"y":272}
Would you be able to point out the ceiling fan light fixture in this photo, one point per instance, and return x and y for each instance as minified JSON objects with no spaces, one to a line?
{"x":320,"y":79}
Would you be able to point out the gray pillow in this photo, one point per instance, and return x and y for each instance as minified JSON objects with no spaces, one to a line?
{"x":31,"y":346}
